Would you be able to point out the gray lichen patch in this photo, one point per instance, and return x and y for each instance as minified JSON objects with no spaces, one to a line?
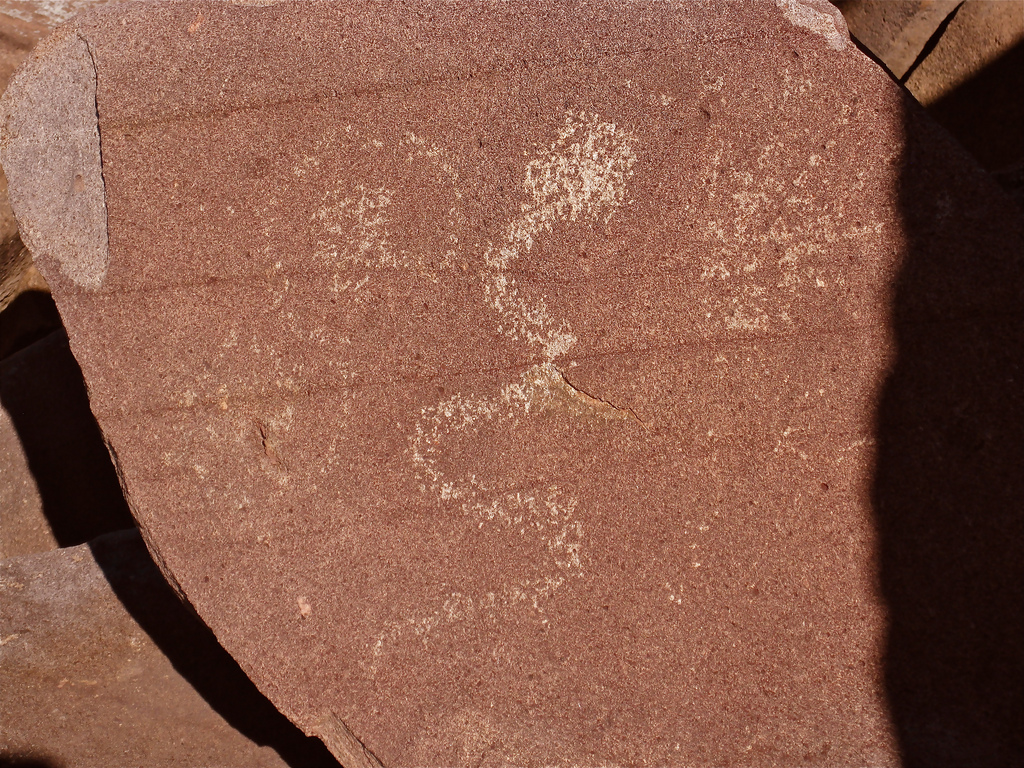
{"x":819,"y":17}
{"x":50,"y":149}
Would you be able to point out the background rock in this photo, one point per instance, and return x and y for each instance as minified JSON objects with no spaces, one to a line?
{"x":93,"y":689}
{"x":896,"y":31}
{"x":979,"y":33}
{"x":24,"y":528}
{"x":973,"y":81}
{"x":46,"y":13}
{"x":965,"y":62}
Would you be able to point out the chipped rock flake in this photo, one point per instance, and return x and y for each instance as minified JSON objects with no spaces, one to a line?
{"x":824,"y":20}
{"x":59,"y":194}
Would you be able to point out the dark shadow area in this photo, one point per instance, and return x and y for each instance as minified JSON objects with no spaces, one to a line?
{"x":27,"y":760}
{"x":41,"y":388}
{"x":949,"y":484}
{"x":1012,"y":180}
{"x":986,"y":113}
{"x":196,"y":654}
{"x":30,"y":317}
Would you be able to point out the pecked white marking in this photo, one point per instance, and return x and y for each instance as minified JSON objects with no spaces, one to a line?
{"x":580,"y":177}
{"x":546,"y":515}
{"x":356,"y":228}
{"x":773,"y":208}
{"x":353,"y":225}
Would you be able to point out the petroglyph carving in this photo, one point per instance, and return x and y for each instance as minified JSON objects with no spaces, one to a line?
{"x":774,"y":205}
{"x":360,"y":223}
{"x":579,"y":178}
{"x":356,"y":227}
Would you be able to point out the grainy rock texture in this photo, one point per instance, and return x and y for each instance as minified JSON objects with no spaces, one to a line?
{"x":501,"y":383}
{"x":85,"y":685}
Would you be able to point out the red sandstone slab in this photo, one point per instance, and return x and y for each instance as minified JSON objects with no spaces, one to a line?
{"x":499,"y":383}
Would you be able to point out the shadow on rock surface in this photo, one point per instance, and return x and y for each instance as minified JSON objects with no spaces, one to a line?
{"x":949,"y":482}
{"x":42,"y":390}
{"x":31,"y":316}
{"x":986,"y":113}
{"x":27,"y":760}
{"x":194,"y":652}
